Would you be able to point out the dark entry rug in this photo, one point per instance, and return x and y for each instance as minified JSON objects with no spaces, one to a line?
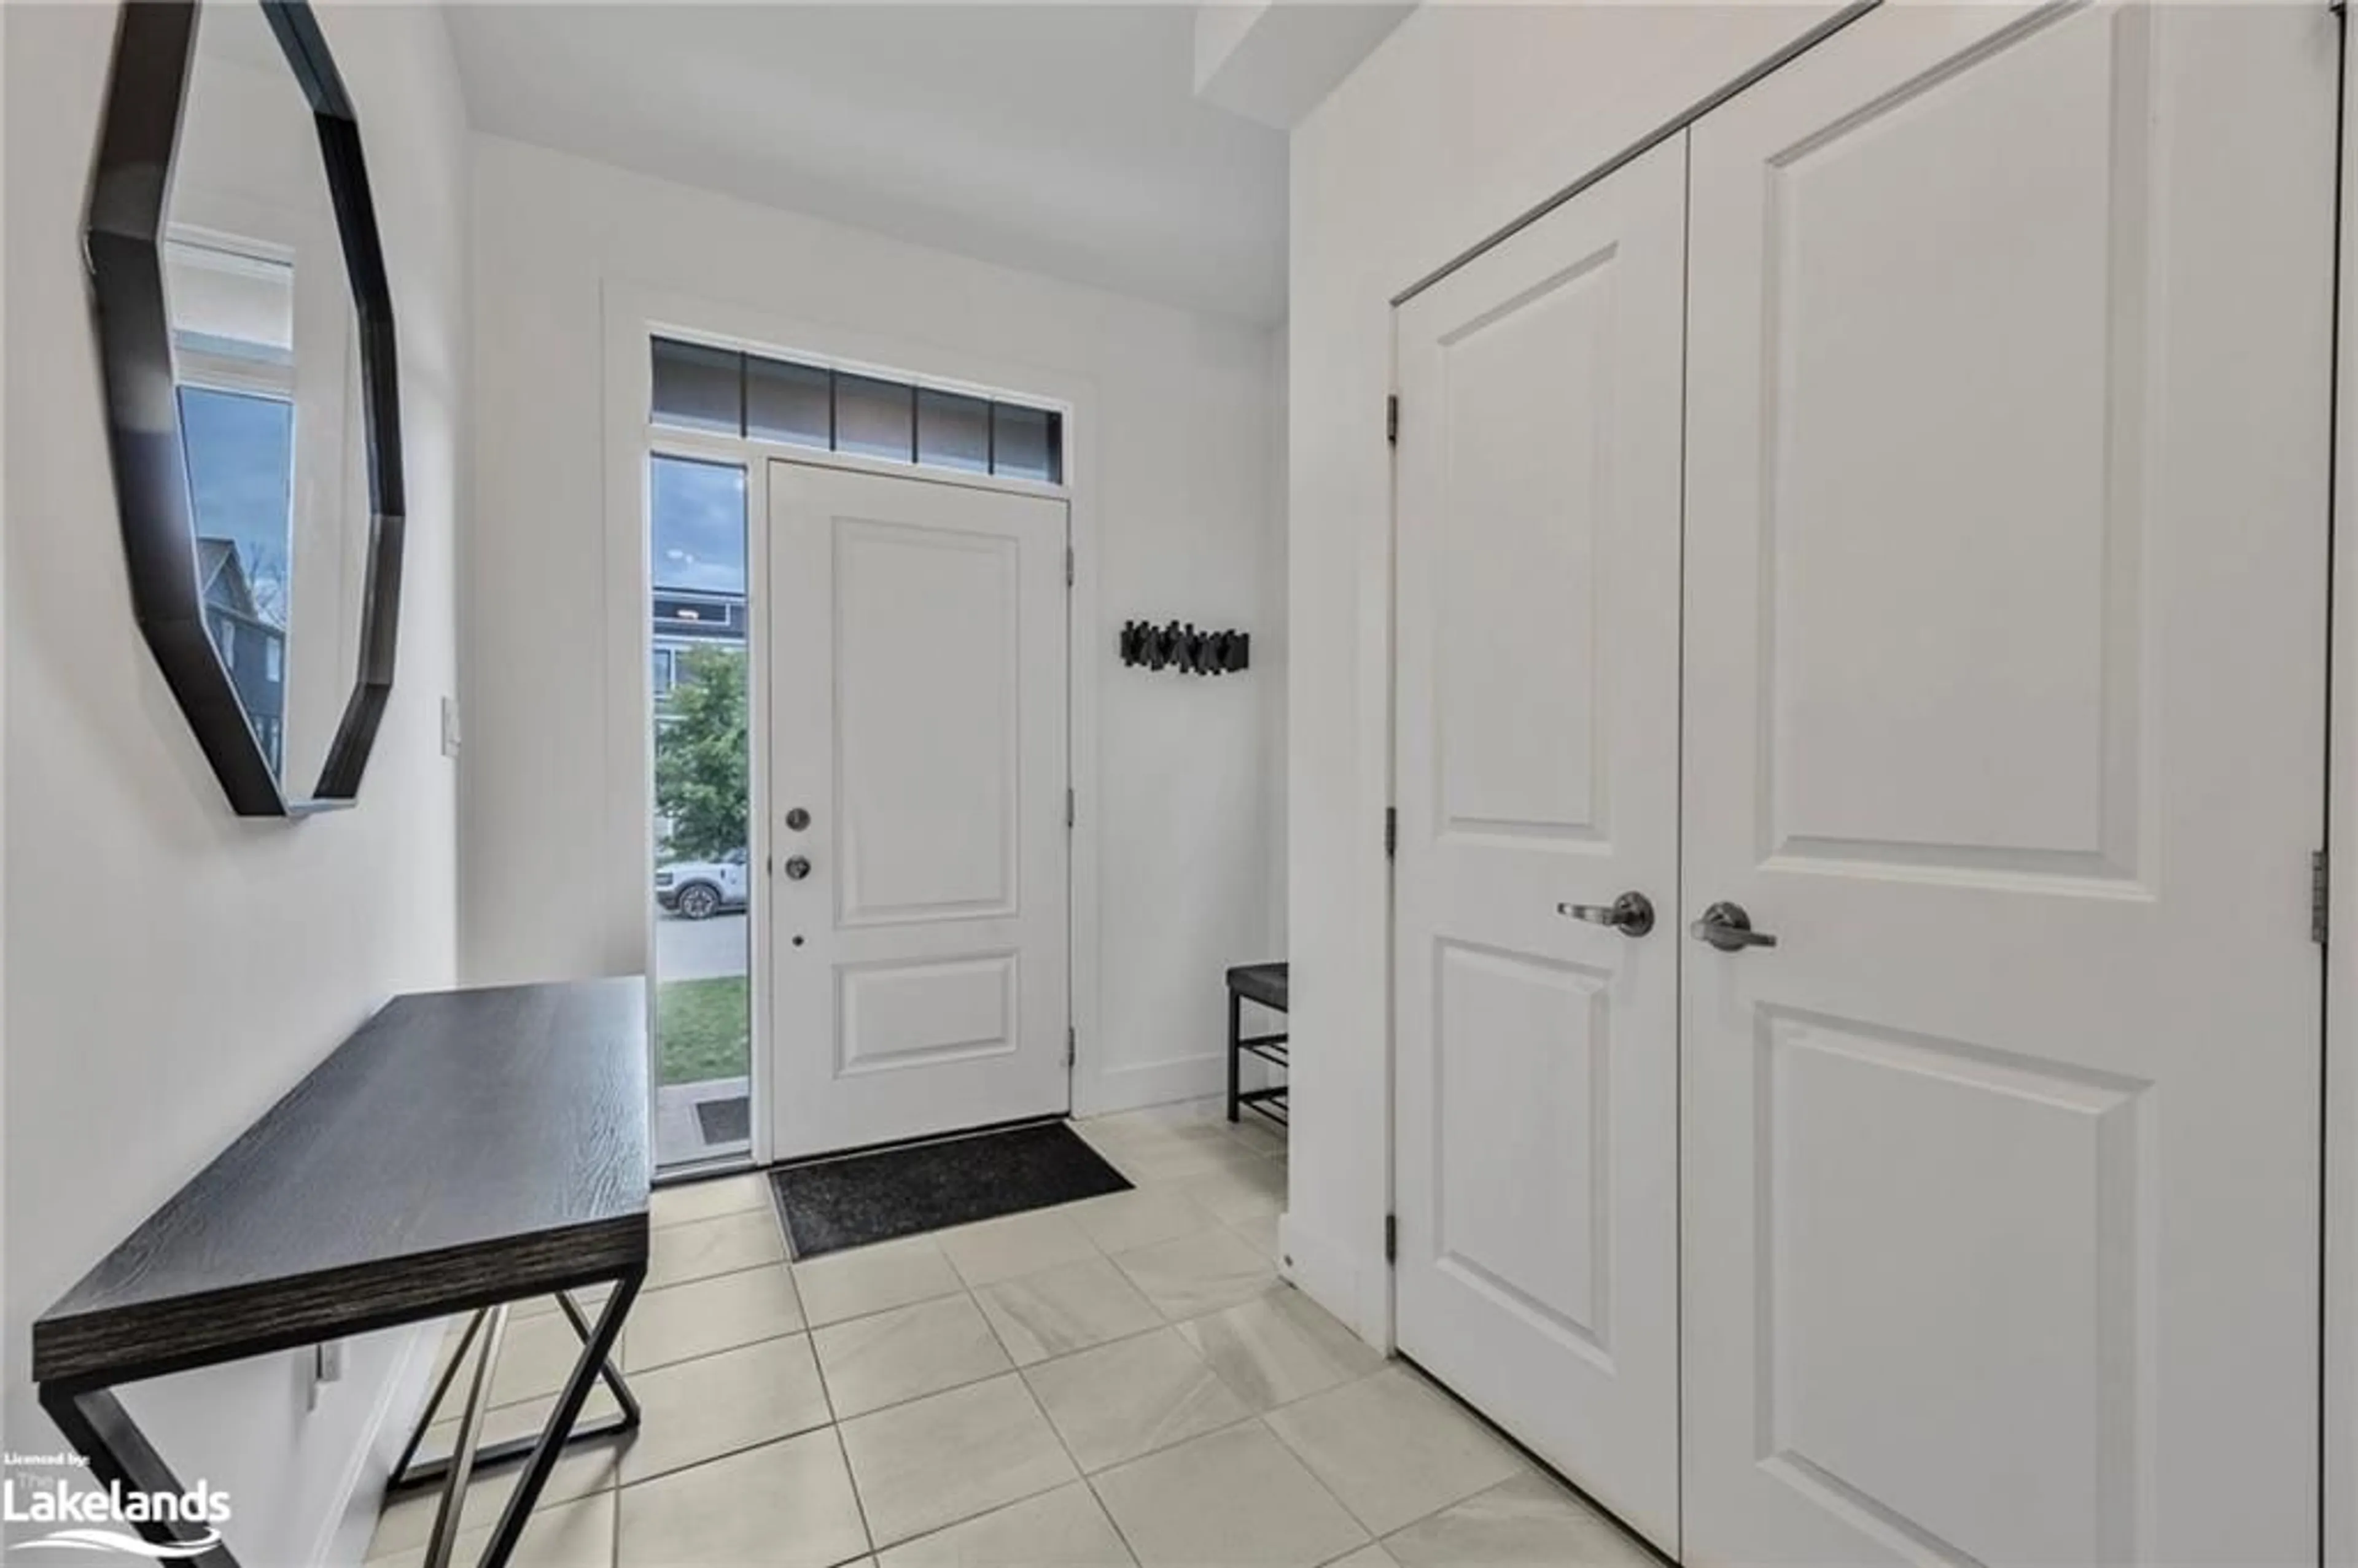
{"x":851,"y":1200}
{"x":725,"y":1120}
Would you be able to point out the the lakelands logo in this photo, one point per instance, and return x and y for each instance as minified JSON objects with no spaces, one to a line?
{"x":92,"y":1519}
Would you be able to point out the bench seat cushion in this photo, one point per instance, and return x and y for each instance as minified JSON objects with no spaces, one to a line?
{"x":1263,"y":983}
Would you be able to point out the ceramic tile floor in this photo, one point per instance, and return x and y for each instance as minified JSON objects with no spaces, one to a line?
{"x":1122,"y":1381}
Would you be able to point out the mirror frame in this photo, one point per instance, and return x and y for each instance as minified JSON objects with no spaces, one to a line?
{"x":123,"y":237}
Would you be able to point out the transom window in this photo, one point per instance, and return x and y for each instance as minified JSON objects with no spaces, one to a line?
{"x":697,"y":387}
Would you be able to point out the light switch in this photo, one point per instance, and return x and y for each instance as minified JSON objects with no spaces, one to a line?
{"x":327,"y":1366}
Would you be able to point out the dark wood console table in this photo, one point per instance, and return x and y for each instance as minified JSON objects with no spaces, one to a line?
{"x":462,"y":1151}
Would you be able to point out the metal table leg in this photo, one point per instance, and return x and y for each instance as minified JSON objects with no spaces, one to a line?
{"x":559,"y":1429}
{"x":444,"y":1538}
{"x":402,"y":1473}
{"x":407,"y":1474}
{"x":95,"y":1423}
{"x":1236,"y":1050}
{"x":469,"y":1454}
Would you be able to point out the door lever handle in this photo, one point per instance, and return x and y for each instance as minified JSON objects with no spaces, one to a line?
{"x":1632,"y":914}
{"x":1727,"y":927}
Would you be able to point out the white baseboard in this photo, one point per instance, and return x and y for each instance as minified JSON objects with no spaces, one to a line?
{"x":1154,"y":1082}
{"x":1344,"y":1279}
{"x":344,"y":1540}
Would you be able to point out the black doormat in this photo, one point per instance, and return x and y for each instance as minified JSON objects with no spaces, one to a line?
{"x":725,"y":1120}
{"x":852,"y":1200}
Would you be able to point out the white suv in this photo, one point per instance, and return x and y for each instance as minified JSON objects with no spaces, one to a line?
{"x":697,"y":890}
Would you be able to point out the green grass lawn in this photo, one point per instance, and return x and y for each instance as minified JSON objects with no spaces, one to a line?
{"x":704,"y":1028}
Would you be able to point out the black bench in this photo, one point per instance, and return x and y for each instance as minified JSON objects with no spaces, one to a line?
{"x":1265,"y":984}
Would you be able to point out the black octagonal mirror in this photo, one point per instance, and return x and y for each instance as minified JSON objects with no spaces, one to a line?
{"x":246,"y":344}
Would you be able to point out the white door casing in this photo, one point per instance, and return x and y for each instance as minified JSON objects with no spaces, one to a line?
{"x":918,"y":713}
{"x":1536,"y":765}
{"x":2007,"y":549}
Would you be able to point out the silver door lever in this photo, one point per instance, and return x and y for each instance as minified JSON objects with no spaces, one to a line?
{"x":1632,"y":914}
{"x":1727,"y":927}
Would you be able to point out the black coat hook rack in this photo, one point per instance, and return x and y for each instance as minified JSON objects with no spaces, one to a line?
{"x":1185,"y":648}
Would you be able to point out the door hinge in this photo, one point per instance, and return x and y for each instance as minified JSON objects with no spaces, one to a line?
{"x":1391,"y":1238}
{"x":1072,"y":806}
{"x":1391,"y":831}
{"x":1071,"y":570}
{"x":1392,"y":418}
{"x":1072,"y":1045}
{"x":2318,"y":891}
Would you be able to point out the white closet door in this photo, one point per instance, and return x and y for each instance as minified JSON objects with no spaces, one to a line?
{"x":917,"y":925}
{"x":2006,"y":545}
{"x":1538,"y":765}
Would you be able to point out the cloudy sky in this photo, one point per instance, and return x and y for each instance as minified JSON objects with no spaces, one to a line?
{"x":240,"y":464}
{"x":697,"y":518}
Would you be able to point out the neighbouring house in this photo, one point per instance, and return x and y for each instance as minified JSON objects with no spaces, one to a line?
{"x":253,"y":647}
{"x":685,"y":619}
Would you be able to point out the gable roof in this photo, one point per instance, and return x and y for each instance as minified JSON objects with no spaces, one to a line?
{"x":221,"y":577}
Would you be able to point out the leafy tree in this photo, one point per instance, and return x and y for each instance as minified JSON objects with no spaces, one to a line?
{"x":701,"y":750}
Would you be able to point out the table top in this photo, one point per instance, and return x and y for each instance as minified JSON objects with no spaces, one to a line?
{"x":460,"y":1148}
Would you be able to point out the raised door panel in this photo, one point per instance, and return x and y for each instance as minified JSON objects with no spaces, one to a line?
{"x":1950,"y":1241}
{"x":916,"y":1012}
{"x":1926,"y":699}
{"x":927,"y":709}
{"x":1527,"y":435}
{"x":1524,"y":1206}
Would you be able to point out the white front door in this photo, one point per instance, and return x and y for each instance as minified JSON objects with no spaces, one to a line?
{"x":917,"y":714}
{"x":2006,"y":482}
{"x":1537,"y":1096}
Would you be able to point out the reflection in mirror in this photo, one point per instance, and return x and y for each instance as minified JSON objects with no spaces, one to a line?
{"x":265,"y":362}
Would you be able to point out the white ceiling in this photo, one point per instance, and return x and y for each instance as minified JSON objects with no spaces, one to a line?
{"x":1062,"y":138}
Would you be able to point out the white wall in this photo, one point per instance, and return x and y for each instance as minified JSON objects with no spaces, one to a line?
{"x":7,"y":1319}
{"x":1467,"y":117}
{"x":1270,"y":650}
{"x":1176,"y":424}
{"x":172,"y":968}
